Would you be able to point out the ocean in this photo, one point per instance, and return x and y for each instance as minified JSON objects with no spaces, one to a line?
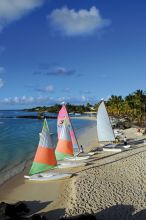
{"x":19,"y":139}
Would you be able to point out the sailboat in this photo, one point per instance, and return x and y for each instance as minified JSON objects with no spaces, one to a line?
{"x":64,"y":149}
{"x":60,"y":119}
{"x":105,"y":132}
{"x":64,"y":146}
{"x":45,"y":159}
{"x":63,"y":114}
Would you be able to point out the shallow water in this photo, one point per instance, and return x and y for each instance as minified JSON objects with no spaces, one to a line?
{"x":19,"y":139}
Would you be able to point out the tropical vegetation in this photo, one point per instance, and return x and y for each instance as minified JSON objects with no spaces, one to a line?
{"x":132,"y":107}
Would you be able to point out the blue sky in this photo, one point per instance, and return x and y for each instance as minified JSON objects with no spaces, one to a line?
{"x":76,"y":51}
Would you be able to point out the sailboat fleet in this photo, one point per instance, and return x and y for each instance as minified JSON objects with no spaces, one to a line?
{"x":66,"y":154}
{"x":47,"y":158}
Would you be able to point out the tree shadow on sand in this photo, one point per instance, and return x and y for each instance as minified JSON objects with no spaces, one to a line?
{"x":117,"y":212}
{"x":22,"y":210}
{"x":54,"y":214}
{"x":121,"y":212}
{"x":36,"y":206}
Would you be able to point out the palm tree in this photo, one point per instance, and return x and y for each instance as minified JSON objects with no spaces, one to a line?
{"x":115,"y":105}
{"x":137,"y":102}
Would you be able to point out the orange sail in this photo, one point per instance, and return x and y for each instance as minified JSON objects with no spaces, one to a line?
{"x":64,"y":146}
{"x":45,"y":156}
{"x":61,"y":116}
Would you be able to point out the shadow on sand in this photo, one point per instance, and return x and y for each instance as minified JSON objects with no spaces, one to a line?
{"x":117,"y":212}
{"x":55,"y":214}
{"x":121,"y":212}
{"x":20,"y":211}
{"x":36,"y":206}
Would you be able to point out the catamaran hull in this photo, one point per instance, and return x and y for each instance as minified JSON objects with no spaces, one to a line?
{"x":91,"y":153}
{"x":48,"y":177}
{"x":77,"y":158}
{"x":126,"y":146}
{"x":70,"y":164}
{"x":112,"y":149}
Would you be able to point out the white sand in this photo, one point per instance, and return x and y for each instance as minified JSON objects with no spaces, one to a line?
{"x":113,"y":185}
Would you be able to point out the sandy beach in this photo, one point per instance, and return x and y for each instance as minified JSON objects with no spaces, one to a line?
{"x":111,"y":185}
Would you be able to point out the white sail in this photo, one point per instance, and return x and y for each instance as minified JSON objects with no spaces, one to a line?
{"x":104,"y":128}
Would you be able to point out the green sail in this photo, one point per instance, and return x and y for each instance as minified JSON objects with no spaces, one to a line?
{"x":39,"y":167}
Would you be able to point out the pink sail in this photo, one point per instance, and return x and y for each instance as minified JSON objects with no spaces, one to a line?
{"x":64,"y":114}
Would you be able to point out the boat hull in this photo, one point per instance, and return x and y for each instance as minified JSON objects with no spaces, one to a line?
{"x":48,"y":177}
{"x":71,"y":164}
{"x":77,"y":158}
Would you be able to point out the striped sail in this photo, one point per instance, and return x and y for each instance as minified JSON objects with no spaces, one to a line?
{"x":104,"y":128}
{"x":64,"y":114}
{"x":45,"y":156}
{"x":64,"y":146}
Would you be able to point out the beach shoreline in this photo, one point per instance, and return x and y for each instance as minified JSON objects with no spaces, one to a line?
{"x":77,"y":194}
{"x":17,"y":188}
{"x":7,"y":172}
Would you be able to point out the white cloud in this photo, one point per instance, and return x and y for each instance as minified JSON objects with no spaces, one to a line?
{"x":11,"y":10}
{"x":47,"y":100}
{"x":24,"y":100}
{"x":71,"y":22}
{"x":77,"y":100}
{"x":1,"y":83}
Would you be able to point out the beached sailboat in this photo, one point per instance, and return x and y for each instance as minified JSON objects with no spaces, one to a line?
{"x":104,"y":129}
{"x":45,"y":159}
{"x":64,"y":146}
{"x":105,"y":132}
{"x":64,"y":149}
{"x":63,"y":114}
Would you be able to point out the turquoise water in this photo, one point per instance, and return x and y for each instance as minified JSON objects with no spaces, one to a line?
{"x":19,"y":139}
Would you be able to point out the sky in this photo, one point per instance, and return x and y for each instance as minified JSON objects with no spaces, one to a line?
{"x":75,"y":51}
